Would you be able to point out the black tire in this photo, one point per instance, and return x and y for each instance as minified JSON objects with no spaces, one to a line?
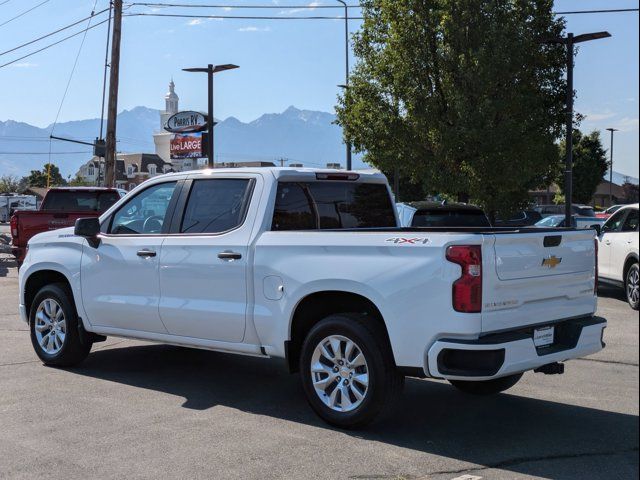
{"x":631,"y":286}
{"x":76,"y":344}
{"x":384,"y":381}
{"x":487,"y":387}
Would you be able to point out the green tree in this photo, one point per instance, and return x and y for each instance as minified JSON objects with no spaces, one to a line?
{"x":460,"y":95}
{"x":589,"y":165}
{"x":9,"y":184}
{"x":38,"y":178}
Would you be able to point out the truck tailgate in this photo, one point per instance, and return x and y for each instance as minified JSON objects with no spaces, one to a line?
{"x":535,"y":278}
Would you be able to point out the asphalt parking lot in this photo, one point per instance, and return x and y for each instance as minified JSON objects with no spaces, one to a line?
{"x":139,"y":410}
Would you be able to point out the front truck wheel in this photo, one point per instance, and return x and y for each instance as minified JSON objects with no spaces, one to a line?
{"x":487,"y":387}
{"x":631,"y":283}
{"x":348,"y":372}
{"x":53,"y":323}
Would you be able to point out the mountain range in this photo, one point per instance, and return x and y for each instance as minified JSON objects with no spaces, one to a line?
{"x":300,"y":136}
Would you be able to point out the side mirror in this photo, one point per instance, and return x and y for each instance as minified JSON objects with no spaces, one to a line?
{"x":88,"y":228}
{"x":598,"y":228}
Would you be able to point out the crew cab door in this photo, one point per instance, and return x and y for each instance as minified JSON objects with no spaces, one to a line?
{"x":204,"y":262}
{"x":119,"y":278}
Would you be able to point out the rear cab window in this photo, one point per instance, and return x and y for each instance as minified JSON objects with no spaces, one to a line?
{"x":326,"y":205}
{"x":449,"y":218}
{"x":79,"y":201}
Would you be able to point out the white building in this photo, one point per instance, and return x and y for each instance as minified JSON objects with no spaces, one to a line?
{"x":162,"y":137}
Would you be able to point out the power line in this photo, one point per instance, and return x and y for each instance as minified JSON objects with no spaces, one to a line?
{"x":50,"y":34}
{"x":23,"y":13}
{"x":73,"y":69}
{"x":611,"y":10}
{"x":43,"y":153}
{"x":247,"y":7}
{"x":239,"y":17}
{"x":52,"y":44}
{"x":5,"y":1}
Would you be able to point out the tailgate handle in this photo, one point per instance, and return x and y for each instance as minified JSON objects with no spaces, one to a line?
{"x":552,"y":240}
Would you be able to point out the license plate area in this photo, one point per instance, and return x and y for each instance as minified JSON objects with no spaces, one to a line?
{"x":544,"y":336}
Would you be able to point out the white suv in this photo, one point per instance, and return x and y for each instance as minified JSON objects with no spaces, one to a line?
{"x":618,"y":253}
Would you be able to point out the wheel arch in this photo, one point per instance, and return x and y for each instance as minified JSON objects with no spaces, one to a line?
{"x":630,"y":260}
{"x":315,"y":306}
{"x":38,"y":279}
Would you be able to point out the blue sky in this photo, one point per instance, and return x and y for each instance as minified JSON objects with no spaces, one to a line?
{"x":282,"y":63}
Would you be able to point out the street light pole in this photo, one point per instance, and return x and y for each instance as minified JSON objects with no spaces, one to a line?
{"x":611,"y":167}
{"x":210,"y":70}
{"x":346,"y":72}
{"x":569,"y":41}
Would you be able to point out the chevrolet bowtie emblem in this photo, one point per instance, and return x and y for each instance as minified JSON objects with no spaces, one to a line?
{"x":551,"y":262}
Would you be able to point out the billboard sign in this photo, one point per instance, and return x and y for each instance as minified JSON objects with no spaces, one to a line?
{"x":186,"y":145}
{"x":187,"y":121}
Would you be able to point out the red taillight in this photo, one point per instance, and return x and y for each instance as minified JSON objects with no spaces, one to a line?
{"x":595,"y":282}
{"x":14,"y":226}
{"x":467,"y":290}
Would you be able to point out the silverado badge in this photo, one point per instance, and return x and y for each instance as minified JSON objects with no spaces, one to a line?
{"x":551,"y":262}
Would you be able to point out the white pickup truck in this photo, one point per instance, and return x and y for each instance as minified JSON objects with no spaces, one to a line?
{"x":310,"y":266}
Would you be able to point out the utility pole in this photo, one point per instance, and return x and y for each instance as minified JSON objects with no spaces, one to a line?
{"x":112,"y":107}
{"x":611,"y":167}
{"x":569,"y":42}
{"x":346,"y":72}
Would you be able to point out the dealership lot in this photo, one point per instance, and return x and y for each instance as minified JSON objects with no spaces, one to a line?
{"x":139,"y":410}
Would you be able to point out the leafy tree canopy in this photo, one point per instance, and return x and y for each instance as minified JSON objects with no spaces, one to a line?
{"x":460,"y":95}
{"x":38,"y":178}
{"x":589,"y":165}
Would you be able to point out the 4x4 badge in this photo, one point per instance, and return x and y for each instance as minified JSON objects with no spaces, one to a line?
{"x":410,"y":241}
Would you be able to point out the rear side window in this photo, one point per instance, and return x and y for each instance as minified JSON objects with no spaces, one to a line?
{"x":449,"y":218}
{"x":216,"y":205}
{"x":631,"y":223}
{"x":78,"y":201}
{"x":332,"y":205}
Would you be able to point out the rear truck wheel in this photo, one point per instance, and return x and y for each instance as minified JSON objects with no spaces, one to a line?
{"x":631,"y":286}
{"x":348,"y":372}
{"x":487,"y":387}
{"x":53,"y":323}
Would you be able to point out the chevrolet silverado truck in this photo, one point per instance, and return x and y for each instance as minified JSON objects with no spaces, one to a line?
{"x":60,"y":208}
{"x":311,"y":266}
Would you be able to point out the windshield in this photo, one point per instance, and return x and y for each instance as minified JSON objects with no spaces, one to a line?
{"x":450,"y":218}
{"x":553,"y":221}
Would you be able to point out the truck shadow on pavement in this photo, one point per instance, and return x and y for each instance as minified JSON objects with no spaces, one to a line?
{"x":509,"y":432}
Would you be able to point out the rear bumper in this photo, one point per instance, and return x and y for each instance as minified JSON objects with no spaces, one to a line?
{"x":19,"y":253}
{"x":506,"y":353}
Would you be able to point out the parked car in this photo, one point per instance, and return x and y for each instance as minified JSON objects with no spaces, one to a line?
{"x":618,"y":255}
{"x":580,"y":210}
{"x":609,"y":211}
{"x":558,"y":221}
{"x":523,"y":218}
{"x":312,"y":267}
{"x":60,"y":208}
{"x":436,"y":214}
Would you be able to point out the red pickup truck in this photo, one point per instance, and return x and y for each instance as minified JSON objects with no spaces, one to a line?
{"x":60,"y":208}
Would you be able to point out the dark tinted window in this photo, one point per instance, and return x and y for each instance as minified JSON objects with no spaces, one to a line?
{"x":79,"y":200}
{"x":332,"y":205}
{"x":614,"y":222}
{"x":216,"y":205}
{"x":631,"y":223}
{"x":449,"y":218}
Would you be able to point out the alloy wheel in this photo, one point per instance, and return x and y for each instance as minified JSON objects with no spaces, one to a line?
{"x":339,"y":373}
{"x":50,"y":326}
{"x":633,"y":278}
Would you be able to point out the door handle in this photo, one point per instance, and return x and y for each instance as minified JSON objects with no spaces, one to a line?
{"x":607,"y":242}
{"x":146,"y":253}
{"x":227,"y":255}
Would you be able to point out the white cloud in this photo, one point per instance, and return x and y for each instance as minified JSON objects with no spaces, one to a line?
{"x":254,"y":29}
{"x":628,"y":124}
{"x":195,"y":21}
{"x":24,"y":65}
{"x":598,"y":116}
{"x":299,"y":10}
